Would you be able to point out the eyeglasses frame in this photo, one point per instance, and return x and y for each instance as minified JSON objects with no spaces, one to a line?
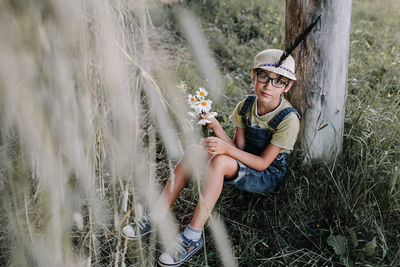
{"x":273,"y":80}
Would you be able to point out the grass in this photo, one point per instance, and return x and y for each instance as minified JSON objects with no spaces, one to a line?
{"x":323,"y":208}
{"x":96,"y":93}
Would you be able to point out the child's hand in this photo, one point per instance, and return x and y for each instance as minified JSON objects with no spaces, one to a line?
{"x":215,"y":146}
{"x":214,"y":123}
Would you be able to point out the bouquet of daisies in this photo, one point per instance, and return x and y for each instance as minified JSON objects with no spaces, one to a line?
{"x":200,"y":106}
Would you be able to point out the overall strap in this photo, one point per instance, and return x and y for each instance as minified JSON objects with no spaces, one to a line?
{"x":274,"y":123}
{"x":247,"y":105}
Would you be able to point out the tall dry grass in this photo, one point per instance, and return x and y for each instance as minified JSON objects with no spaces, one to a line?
{"x":86,"y":101}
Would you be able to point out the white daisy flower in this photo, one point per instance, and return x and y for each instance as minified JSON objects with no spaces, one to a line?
{"x":201,"y":93}
{"x":203,"y":106}
{"x":203,"y":122}
{"x":192,"y":101}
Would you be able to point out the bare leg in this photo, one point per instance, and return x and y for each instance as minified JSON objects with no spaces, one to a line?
{"x":168,"y":196}
{"x":172,"y":190}
{"x":181,"y":173}
{"x":220,"y":166}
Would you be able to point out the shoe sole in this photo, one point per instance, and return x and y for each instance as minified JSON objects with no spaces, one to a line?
{"x":181,"y":262}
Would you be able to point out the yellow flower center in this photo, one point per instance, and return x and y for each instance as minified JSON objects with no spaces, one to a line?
{"x":201,"y":93}
{"x":192,"y":99}
{"x":203,"y":104}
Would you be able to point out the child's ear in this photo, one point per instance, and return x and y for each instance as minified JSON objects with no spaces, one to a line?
{"x":253,"y":74}
{"x":288,"y":86}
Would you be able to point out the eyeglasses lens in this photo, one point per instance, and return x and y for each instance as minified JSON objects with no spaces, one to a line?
{"x":263,"y":78}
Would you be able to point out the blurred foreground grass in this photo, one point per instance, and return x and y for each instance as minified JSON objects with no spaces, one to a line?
{"x":347,"y":214}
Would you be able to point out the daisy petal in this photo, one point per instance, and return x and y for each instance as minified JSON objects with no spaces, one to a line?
{"x":203,"y":122}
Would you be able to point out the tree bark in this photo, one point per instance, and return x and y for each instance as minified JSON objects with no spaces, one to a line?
{"x":321,"y":71}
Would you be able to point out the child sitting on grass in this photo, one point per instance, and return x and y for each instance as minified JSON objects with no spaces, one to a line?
{"x":254,"y":161}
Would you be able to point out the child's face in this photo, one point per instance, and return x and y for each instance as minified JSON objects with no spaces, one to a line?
{"x":269,"y":86}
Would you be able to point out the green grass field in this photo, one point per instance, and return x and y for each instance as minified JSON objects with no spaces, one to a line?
{"x":324,"y":215}
{"x":83,"y":100}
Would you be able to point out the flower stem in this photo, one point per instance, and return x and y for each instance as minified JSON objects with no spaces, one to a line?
{"x":204,"y":130}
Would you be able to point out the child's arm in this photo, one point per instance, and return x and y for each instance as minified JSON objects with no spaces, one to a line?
{"x":239,"y":138}
{"x":217,"y":146}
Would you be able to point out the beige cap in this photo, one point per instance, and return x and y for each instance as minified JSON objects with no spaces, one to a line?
{"x":267,"y":60}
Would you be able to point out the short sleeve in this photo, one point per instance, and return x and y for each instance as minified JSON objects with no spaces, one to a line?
{"x":286,"y":134}
{"x":235,"y":117}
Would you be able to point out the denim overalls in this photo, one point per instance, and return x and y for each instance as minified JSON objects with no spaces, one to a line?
{"x":257,"y":140}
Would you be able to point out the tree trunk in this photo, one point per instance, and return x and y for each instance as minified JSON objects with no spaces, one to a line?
{"x":321,"y":71}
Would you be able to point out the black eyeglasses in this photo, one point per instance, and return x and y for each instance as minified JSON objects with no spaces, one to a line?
{"x":276,"y":82}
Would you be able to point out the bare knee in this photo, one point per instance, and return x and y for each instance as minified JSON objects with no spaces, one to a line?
{"x":224,"y":164}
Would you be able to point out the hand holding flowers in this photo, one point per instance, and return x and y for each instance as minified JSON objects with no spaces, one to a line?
{"x":210,"y":120}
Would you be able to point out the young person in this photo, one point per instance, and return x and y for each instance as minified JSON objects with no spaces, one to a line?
{"x":255,"y":160}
